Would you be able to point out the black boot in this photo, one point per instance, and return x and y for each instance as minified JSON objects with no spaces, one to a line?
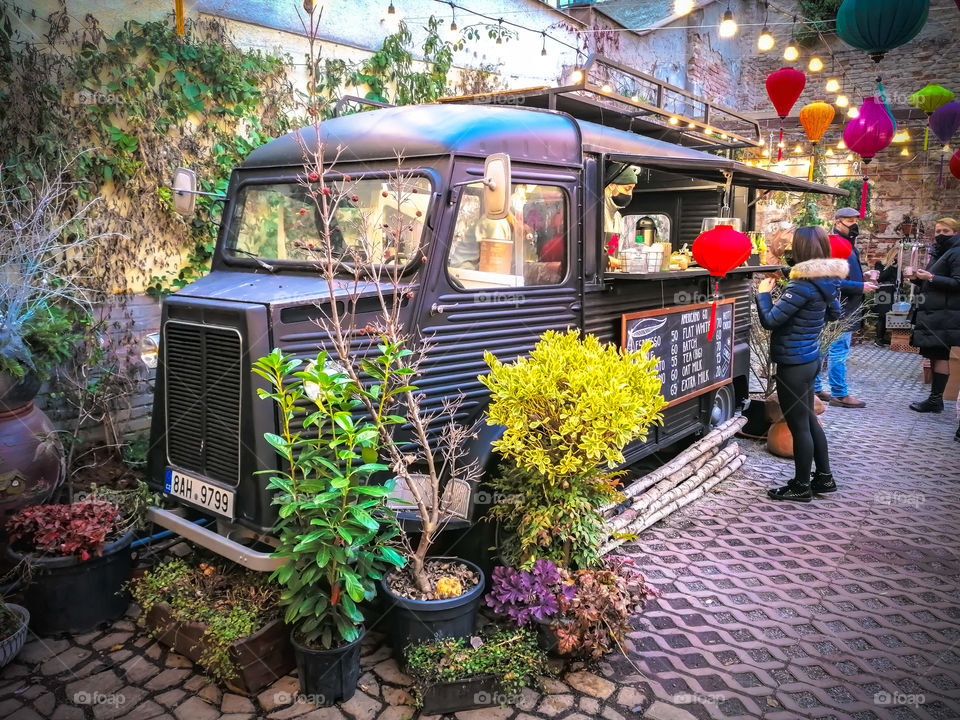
{"x":934,"y":403}
{"x":823,"y":483}
{"x":793,"y":490}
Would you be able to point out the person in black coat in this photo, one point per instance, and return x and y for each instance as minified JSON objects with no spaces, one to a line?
{"x":936,"y":325}
{"x":795,"y":322}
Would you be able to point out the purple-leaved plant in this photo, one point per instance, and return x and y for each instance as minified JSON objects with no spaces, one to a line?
{"x":525,"y":595}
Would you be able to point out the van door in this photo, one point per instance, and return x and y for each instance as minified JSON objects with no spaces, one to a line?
{"x":497,"y":285}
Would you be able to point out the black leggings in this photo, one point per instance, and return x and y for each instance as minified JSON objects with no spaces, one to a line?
{"x":795,"y":390}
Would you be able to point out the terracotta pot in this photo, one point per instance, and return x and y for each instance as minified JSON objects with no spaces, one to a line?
{"x":780,"y":440}
{"x":31,"y":458}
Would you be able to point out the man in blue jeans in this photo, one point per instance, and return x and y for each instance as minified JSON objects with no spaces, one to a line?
{"x":851,"y":298}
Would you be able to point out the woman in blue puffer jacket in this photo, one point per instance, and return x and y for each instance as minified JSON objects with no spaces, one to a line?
{"x":795,"y":321}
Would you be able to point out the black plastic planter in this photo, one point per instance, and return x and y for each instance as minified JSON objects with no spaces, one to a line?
{"x":453,"y":696}
{"x":67,"y":595}
{"x":757,"y":423}
{"x":416,"y":621}
{"x":328,"y":676}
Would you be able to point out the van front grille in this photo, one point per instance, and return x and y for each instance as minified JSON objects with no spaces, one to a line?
{"x":204,"y":374}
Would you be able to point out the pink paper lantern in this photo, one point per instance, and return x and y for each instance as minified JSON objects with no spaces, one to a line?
{"x":871,"y":131}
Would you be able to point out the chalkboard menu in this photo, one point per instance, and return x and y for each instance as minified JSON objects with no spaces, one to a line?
{"x":689,"y":364}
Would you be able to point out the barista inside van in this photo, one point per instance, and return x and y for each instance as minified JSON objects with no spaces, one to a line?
{"x":617,"y":195}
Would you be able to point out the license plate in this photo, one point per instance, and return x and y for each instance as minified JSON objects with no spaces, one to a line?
{"x":199,"y":492}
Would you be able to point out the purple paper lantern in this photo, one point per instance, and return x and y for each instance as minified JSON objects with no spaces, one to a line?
{"x":871,"y":131}
{"x":945,"y":121}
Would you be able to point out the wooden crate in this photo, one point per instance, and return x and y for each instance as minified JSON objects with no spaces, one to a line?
{"x":900,"y":341}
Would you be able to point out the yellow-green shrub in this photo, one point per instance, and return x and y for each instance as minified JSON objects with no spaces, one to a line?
{"x":568,"y":409}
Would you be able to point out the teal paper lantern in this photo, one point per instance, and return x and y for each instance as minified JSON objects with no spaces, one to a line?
{"x":877,"y":26}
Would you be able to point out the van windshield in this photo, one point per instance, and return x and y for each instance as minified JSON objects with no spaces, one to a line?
{"x":374,"y":221}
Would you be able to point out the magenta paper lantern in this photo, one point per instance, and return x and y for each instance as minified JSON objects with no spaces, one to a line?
{"x":871,"y":131}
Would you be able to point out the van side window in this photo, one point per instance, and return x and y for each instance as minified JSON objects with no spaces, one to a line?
{"x":528,"y":247}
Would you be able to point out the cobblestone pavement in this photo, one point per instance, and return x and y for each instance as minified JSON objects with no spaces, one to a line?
{"x":846,"y":607}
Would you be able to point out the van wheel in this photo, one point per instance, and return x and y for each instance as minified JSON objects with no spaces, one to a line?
{"x":723,"y":405}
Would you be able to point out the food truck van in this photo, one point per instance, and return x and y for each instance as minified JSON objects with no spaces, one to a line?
{"x":482,"y":285}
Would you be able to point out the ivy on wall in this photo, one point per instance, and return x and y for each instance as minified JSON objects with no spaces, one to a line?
{"x":131,"y":107}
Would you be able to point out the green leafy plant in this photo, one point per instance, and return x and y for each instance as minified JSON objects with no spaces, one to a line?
{"x":568,"y":410}
{"x":510,"y":655}
{"x":233,"y":603}
{"x":333,"y":526}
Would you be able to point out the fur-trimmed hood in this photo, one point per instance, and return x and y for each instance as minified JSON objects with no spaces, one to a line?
{"x":820,"y":268}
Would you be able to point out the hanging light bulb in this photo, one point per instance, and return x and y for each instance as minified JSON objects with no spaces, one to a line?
{"x":816,"y":64}
{"x":905,"y":152}
{"x":691,"y":125}
{"x":728,"y":26}
{"x":749,"y":163}
{"x":765,"y":153}
{"x":682,"y":7}
{"x":842,"y":101}
{"x":391,"y":10}
{"x":765,"y":41}
{"x":841,"y":145}
{"x":790,"y":53}
{"x":453,"y":18}
{"x":833,"y":85}
{"x":853,"y":112}
{"x":849,"y":157}
{"x":500,"y":31}
{"x":392,"y":19}
{"x":576,"y":76}
{"x":543,"y":50}
{"x":797,"y":150}
{"x":829,"y":151}
{"x":674,"y":120}
{"x":607,"y":89}
{"x":901,"y":137}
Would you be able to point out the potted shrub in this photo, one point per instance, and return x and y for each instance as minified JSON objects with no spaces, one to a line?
{"x":583,"y":613}
{"x":490,"y":668}
{"x":43,"y":308}
{"x":71,"y":552}
{"x":333,"y":525}
{"x":13,"y":630}
{"x":424,"y":451}
{"x":223,"y":617}
{"x":568,"y":410}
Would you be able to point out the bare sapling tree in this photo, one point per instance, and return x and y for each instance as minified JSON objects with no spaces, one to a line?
{"x":373,"y":251}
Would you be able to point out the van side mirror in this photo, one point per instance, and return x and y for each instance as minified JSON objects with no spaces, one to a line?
{"x":184,"y":191}
{"x":496,"y":186}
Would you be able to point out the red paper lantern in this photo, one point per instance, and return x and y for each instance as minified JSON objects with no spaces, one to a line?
{"x":720,"y":250}
{"x":955,"y":160}
{"x":784,"y":87}
{"x":840,"y":247}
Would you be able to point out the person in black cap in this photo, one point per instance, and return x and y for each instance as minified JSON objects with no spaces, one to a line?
{"x":851,"y":299}
{"x":617,"y":195}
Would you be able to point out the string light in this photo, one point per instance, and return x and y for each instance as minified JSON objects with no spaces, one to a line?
{"x":791,"y":53}
{"x":816,"y":64}
{"x":905,"y":152}
{"x":841,"y":145}
{"x":842,"y":101}
{"x":797,"y":150}
{"x":728,"y":26}
{"x":607,"y":89}
{"x":543,"y":51}
{"x":849,"y":157}
{"x":673,"y":120}
{"x":391,"y":10}
{"x":832,"y":85}
{"x":765,"y":153}
{"x":453,"y":18}
{"x":500,"y":31}
{"x":576,"y":76}
{"x":829,"y":151}
{"x":691,"y":125}
{"x":682,"y":7}
{"x":853,"y":112}
{"x":765,"y":40}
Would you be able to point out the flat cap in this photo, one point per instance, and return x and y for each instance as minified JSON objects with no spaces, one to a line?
{"x":847,"y":213}
{"x":627,"y":176}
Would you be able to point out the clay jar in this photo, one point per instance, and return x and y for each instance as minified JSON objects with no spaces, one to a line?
{"x":31,"y":457}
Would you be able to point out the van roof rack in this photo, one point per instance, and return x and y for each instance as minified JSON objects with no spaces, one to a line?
{"x":609,"y":93}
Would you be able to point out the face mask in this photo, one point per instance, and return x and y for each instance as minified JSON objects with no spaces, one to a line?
{"x":621,"y":200}
{"x":853,"y":231}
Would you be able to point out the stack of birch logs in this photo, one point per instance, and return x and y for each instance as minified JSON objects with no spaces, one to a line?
{"x":687,"y":477}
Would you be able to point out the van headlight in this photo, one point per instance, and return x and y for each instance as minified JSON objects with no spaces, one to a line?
{"x":150,"y":350}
